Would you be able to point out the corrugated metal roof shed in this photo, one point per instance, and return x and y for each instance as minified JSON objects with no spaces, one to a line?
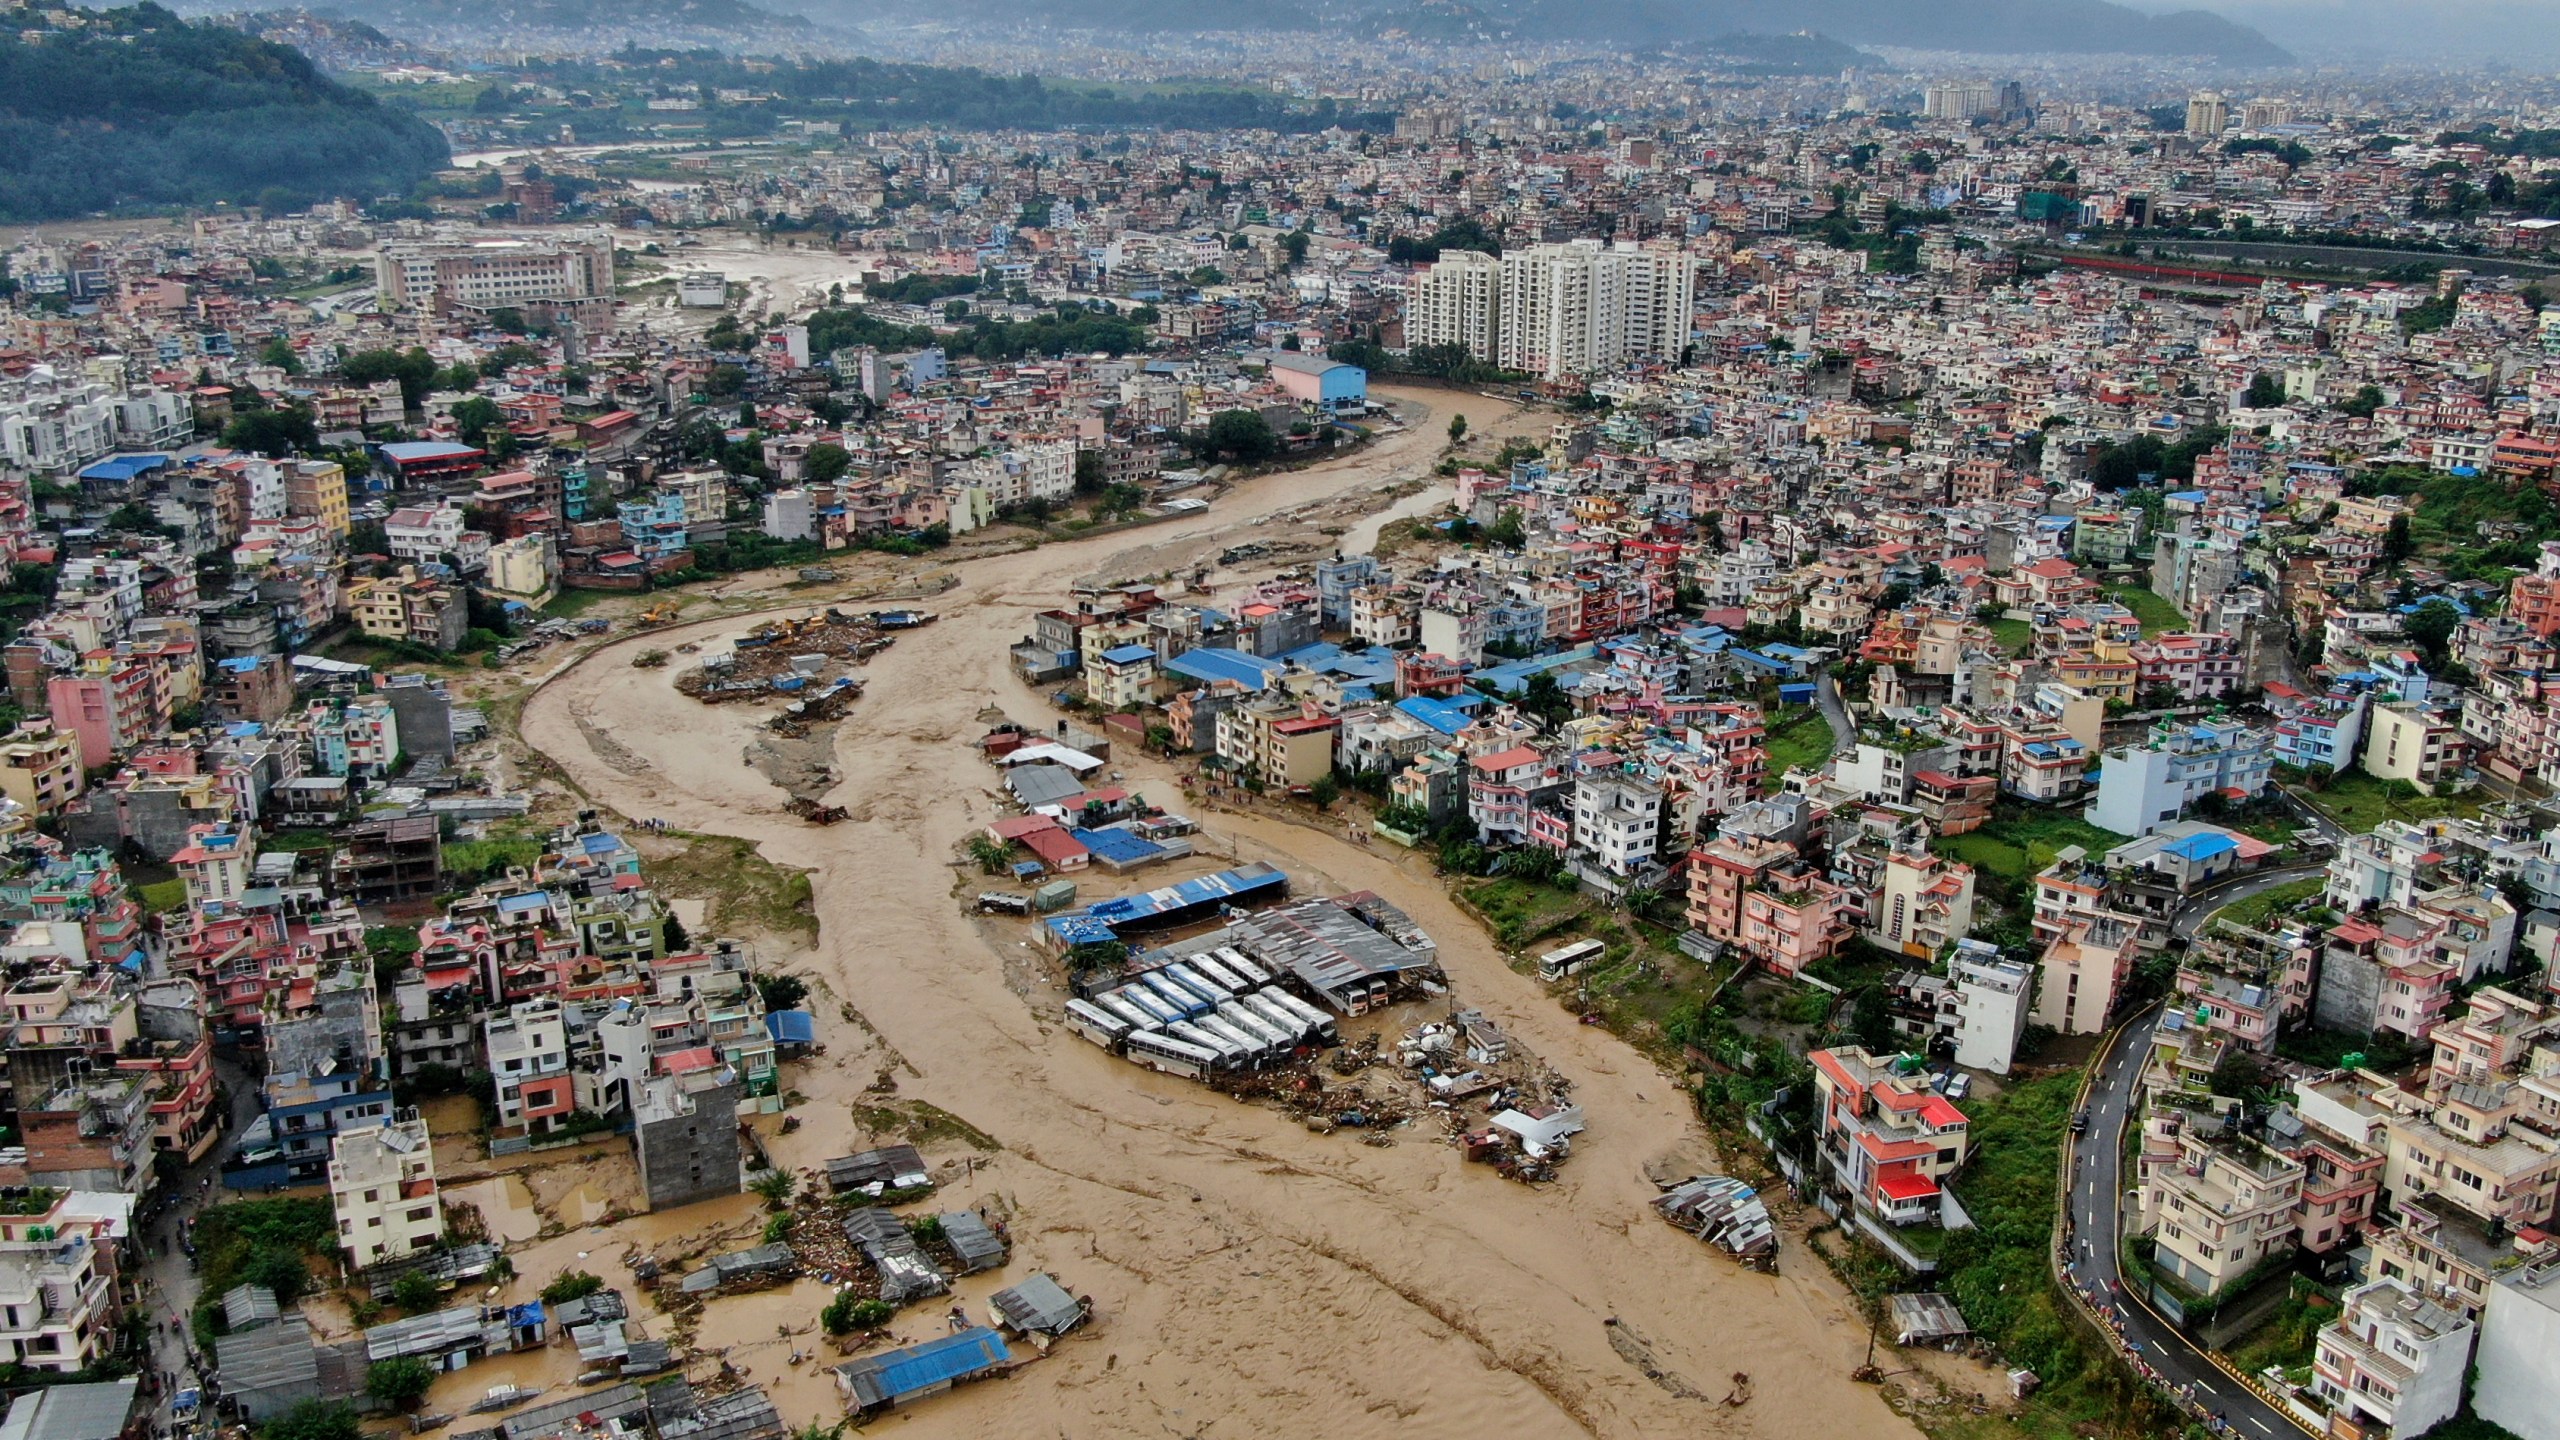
{"x":1039,"y":1305}
{"x":975,"y":1245}
{"x":893,"y":1377}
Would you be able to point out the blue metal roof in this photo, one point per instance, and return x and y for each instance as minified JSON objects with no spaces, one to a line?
{"x":1447,"y":717}
{"x":791,"y":1027}
{"x":940,"y":1361}
{"x":427,"y":450}
{"x":125,"y":467}
{"x":1128,"y":654}
{"x":2203,"y":845}
{"x":1213,"y":663}
{"x":1119,"y":847}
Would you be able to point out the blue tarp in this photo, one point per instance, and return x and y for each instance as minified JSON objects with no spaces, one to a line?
{"x":791,"y":1027}
{"x":1128,"y":654}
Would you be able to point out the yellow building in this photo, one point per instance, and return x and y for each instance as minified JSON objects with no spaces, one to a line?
{"x":317,"y":489}
{"x":40,"y":767}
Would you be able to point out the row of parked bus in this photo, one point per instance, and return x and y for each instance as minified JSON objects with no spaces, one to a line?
{"x":1200,"y":1015}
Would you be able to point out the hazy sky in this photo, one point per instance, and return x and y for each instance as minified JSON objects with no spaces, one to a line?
{"x":2522,"y":31}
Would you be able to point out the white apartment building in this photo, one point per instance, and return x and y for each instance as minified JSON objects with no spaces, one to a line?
{"x":571,"y":276}
{"x":2393,"y":1360}
{"x":1456,"y":301}
{"x":2518,"y":1387}
{"x":2143,"y":787}
{"x":423,"y":534}
{"x":1578,"y":307}
{"x":55,"y":1310}
{"x":382,"y":1183}
{"x":1991,"y":1009}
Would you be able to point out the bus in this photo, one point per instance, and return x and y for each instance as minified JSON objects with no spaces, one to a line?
{"x":1219,"y":1025}
{"x":1229,"y":1053}
{"x":1158,"y":1051}
{"x":1319,"y":1024}
{"x":1199,"y":984}
{"x":1129,"y":1015}
{"x":1565,"y":960}
{"x":1096,"y":1024}
{"x":1254,"y":1022}
{"x":1245,"y":969}
{"x":1219,"y":974}
{"x":1290,"y":1022}
{"x":1171,"y":992}
{"x":1160,"y":1011}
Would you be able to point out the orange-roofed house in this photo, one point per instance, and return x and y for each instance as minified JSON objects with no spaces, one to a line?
{"x":1888,"y":1138}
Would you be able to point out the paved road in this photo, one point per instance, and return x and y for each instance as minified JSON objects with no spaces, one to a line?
{"x":2097,"y":1192}
{"x":1844,"y":732}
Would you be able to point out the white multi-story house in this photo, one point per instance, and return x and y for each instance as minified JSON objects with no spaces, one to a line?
{"x":1991,"y":1008}
{"x":2393,"y":1360}
{"x":382,"y":1183}
{"x":529,"y":1062}
{"x":423,"y":534}
{"x":1617,"y":822}
{"x":2143,"y":787}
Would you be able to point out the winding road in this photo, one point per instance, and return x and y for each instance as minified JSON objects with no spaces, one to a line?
{"x":2094,"y":1202}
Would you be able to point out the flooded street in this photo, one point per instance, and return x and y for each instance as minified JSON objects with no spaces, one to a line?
{"x":1242,"y":1269}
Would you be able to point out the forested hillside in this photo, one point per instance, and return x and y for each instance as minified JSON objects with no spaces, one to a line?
{"x":140,"y":108}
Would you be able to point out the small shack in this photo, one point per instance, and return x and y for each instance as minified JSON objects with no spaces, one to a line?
{"x":1725,"y":1213}
{"x":1928,"y":1318}
{"x":877,"y":1172}
{"x":891,"y":1378}
{"x":905,"y":1274}
{"x":1039,"y":1306}
{"x":973,"y":1242}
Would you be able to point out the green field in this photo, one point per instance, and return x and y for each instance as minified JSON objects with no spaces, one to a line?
{"x":2258,"y":909}
{"x":1804,"y":740}
{"x":2359,"y":802}
{"x":2154,"y":611}
{"x":2013,"y":636}
{"x":2019,"y":842}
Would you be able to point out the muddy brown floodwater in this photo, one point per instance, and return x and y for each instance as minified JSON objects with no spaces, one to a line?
{"x":1249,"y":1278}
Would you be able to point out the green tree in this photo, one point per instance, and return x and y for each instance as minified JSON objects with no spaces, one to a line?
{"x":1457,"y":429}
{"x":272,"y":433}
{"x":2363,"y":403}
{"x":474,"y":418}
{"x":281,"y":1270}
{"x":1091,"y":472}
{"x":781,"y":992}
{"x":280,"y":353}
{"x":1544,"y":700}
{"x":1241,"y":435}
{"x":2431,"y":630}
{"x":2265,"y":392}
{"x":826,"y":463}
{"x":570,"y":1285}
{"x":2396,"y":544}
{"x":1510,"y":531}
{"x":414,"y":368}
{"x":313,"y":1420}
{"x":400,"y":1382}
{"x":415,"y":1293}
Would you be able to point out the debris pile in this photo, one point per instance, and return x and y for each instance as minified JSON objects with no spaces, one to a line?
{"x":1727,"y":1214}
{"x":787,"y":657}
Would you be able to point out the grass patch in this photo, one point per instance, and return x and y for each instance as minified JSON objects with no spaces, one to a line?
{"x":1805,"y":740}
{"x":2152,"y":609}
{"x":2329,"y":1049}
{"x":2018,"y":842}
{"x":162,"y":896}
{"x":2359,"y":802}
{"x":2256,"y":911}
{"x":2287,"y":1337}
{"x":743,"y":890}
{"x":1521,"y":910}
{"x":571,"y":604}
{"x":921,"y":1123}
{"x":2016,"y":637}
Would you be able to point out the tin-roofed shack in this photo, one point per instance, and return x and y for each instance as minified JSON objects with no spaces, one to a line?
{"x":891,"y":1378}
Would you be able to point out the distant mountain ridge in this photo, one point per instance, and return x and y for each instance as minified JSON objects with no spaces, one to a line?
{"x":139,"y":108}
{"x":709,"y":16}
{"x":1997,"y":27}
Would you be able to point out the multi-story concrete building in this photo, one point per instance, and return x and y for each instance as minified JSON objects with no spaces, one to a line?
{"x":2084,"y":966}
{"x":2393,"y":1361}
{"x":528,"y":1049}
{"x":382,"y":1184}
{"x":1888,"y":1139}
{"x":1457,"y":300}
{"x":567,"y":278}
{"x":2517,"y":1386}
{"x":2227,"y":1206}
{"x":2142,"y":787}
{"x":1991,"y":1007}
{"x":1575,"y":308}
